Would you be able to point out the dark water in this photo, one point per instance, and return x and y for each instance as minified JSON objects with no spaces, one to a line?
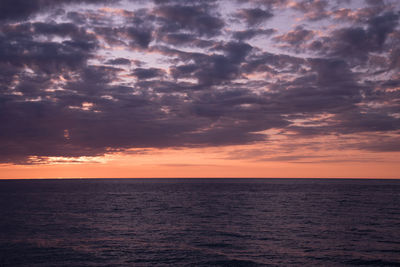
{"x":195,"y":222}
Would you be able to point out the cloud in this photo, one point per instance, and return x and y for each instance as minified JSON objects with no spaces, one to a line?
{"x":141,"y":73}
{"x":195,"y":74}
{"x":23,"y":10}
{"x":197,"y":18}
{"x":295,"y":37}
{"x":140,"y":37}
{"x":357,"y":42}
{"x":313,"y":10}
{"x":249,"y":34}
{"x":118,"y":61}
{"x":254,"y":16}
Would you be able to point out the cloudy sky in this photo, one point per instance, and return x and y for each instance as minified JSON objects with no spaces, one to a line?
{"x":175,"y":88}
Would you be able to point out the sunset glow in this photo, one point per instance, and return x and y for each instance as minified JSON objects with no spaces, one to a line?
{"x":126,"y":89}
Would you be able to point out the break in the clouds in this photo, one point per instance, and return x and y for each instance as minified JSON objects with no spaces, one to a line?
{"x":86,"y":78}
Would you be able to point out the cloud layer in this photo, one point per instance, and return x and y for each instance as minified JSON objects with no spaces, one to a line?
{"x":85,"y":78}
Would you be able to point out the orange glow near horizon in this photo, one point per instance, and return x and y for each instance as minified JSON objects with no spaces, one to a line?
{"x":215,"y":162}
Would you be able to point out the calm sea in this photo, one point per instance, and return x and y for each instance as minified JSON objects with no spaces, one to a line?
{"x":200,"y":222}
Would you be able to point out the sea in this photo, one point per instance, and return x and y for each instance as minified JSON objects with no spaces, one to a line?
{"x":200,"y":222}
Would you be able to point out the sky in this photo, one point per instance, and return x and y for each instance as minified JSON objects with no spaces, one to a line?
{"x":212,"y":88}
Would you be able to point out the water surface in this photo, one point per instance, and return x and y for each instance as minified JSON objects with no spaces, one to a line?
{"x":200,"y":222}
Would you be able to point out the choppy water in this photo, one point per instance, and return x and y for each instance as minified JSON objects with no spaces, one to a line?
{"x":195,"y":222}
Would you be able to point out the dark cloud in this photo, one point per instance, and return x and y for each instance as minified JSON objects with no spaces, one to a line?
{"x":184,"y":39}
{"x":19,"y":9}
{"x":22,"y":10}
{"x":19,"y":46}
{"x":355,"y":121}
{"x":46,"y":57}
{"x":141,"y":73}
{"x":140,"y":37}
{"x":118,"y":61}
{"x":215,"y":69}
{"x":380,"y":144}
{"x":196,"y":18}
{"x":254,"y":16}
{"x":62,"y":29}
{"x":249,"y":34}
{"x":358,"y":42}
{"x":272,"y":63}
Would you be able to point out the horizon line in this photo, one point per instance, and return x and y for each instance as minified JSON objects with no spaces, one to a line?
{"x":104,"y":178}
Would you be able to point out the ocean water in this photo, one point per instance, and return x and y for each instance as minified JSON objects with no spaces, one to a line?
{"x":200,"y":222}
